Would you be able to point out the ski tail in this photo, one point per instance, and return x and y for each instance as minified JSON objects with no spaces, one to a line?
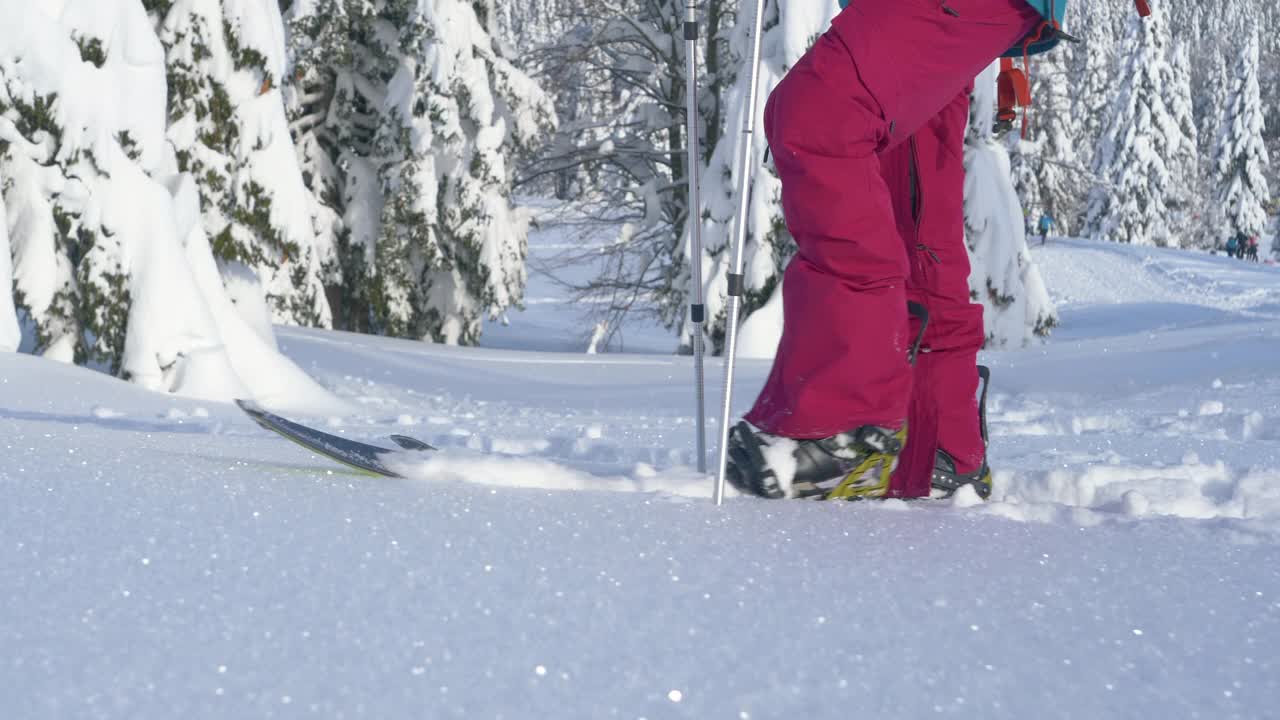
{"x":407,"y":443}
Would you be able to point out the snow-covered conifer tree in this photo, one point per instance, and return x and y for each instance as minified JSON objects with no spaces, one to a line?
{"x":111,"y":265}
{"x":1142,"y":135}
{"x":1003,"y":278}
{"x":1240,"y":155}
{"x":453,"y":243}
{"x":1269,"y":80}
{"x":1186,"y":186}
{"x":1092,"y":68}
{"x":532,"y":23}
{"x":404,"y":111}
{"x":226,"y":60}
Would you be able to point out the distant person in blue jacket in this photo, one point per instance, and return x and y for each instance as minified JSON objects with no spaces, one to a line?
{"x":1233,"y":246}
{"x":1046,"y":224}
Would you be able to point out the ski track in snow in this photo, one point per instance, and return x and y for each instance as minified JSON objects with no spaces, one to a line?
{"x":165,"y":557}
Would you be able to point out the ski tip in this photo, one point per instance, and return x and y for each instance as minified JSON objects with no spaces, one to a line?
{"x":249,"y":406}
{"x":407,"y":443}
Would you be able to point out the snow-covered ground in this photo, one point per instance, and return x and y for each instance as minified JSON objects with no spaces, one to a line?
{"x":559,"y":558}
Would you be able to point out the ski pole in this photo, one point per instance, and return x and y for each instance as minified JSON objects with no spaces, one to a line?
{"x":697,"y":310}
{"x":740,"y":235}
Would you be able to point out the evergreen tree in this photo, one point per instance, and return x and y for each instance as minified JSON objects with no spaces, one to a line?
{"x":1003,"y":278}
{"x":1061,"y":172}
{"x":225,"y":62}
{"x":1269,"y":82}
{"x":1092,"y":67}
{"x":1240,"y":156}
{"x":405,"y":111}
{"x":452,"y":248}
{"x":532,"y":24}
{"x":112,"y":268}
{"x":1026,"y":157}
{"x":1186,"y":186}
{"x":65,"y":271}
{"x":1132,"y":204}
{"x":335,"y":106}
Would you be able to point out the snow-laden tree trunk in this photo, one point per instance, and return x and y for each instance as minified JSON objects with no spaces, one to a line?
{"x":790,"y":29}
{"x":111,"y":267}
{"x":226,"y":61}
{"x":1143,"y":137}
{"x":1240,"y":154}
{"x":405,"y":112}
{"x":1016,"y":305}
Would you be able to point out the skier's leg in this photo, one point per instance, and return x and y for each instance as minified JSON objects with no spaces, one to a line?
{"x":884,"y":69}
{"x":926,"y":180}
{"x":956,"y":330}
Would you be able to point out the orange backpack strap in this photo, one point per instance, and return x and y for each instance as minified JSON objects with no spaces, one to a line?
{"x":1013,"y":92}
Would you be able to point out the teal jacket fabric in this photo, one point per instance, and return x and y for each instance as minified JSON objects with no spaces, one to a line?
{"x":1058,"y":8}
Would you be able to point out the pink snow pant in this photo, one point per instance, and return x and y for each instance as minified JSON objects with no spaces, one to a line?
{"x":867,"y":134}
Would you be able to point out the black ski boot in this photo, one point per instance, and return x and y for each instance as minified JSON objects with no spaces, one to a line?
{"x":849,"y":466}
{"x":945,"y":480}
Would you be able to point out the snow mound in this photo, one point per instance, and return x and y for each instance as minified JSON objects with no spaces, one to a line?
{"x":1188,"y":490}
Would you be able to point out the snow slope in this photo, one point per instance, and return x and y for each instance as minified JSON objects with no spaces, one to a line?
{"x":558,"y":558}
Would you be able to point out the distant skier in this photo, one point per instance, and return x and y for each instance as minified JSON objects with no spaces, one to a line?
{"x":1046,"y":224}
{"x":1233,"y":245}
{"x":1252,"y":251}
{"x":867,"y":135}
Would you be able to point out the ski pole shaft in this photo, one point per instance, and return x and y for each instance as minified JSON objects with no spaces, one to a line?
{"x":736,"y":281}
{"x":697,"y":310}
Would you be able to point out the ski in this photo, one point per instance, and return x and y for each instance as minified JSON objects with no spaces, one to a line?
{"x":364,"y":457}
